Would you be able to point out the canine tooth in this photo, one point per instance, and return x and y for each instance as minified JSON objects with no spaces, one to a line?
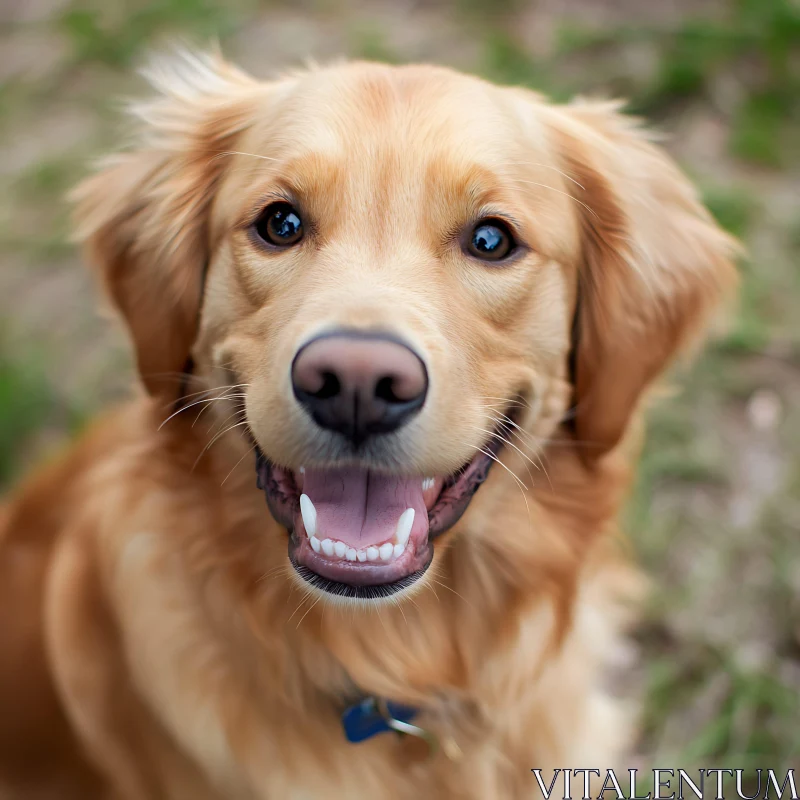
{"x":351,"y":554}
{"x":399,"y":549}
{"x":361,"y":555}
{"x":386,"y":550}
{"x":309,"y":514}
{"x":427,"y":483}
{"x":372,"y":553}
{"x":327,"y":547}
{"x":315,"y":544}
{"x":403,"y":530}
{"x":302,"y":470}
{"x":340,"y":548}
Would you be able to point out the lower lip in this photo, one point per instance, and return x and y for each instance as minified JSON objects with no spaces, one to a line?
{"x":361,"y":581}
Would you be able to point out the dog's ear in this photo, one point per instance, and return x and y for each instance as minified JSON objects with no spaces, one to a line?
{"x":654,"y":265}
{"x":144,"y":214}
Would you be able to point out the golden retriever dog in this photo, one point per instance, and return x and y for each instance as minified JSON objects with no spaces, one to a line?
{"x":427,"y":309}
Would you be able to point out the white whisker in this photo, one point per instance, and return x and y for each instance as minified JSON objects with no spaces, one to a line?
{"x":511,"y":444}
{"x":546,"y":166}
{"x":252,"y":447}
{"x":306,"y":595}
{"x":307,"y":612}
{"x":558,"y":191}
{"x":519,"y":432}
{"x":490,"y":454}
{"x":237,"y":413}
{"x":197,"y":402}
{"x":457,"y":594}
{"x":241,"y":153}
{"x":506,"y":401}
{"x":215,"y":400}
{"x":400,"y":609}
{"x":221,"y":433}
{"x":520,"y":483}
{"x":534,"y":443}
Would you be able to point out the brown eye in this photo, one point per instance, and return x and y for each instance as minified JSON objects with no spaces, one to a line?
{"x":491,"y":240}
{"x":279,"y":225}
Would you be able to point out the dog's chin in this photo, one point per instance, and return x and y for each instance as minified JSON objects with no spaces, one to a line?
{"x":361,"y":534}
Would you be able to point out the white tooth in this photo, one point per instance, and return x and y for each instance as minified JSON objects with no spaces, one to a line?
{"x":351,"y":554}
{"x":327,"y":547}
{"x":315,"y":544}
{"x":386,"y":550}
{"x":361,"y":555}
{"x":309,"y":514}
{"x":427,"y":483}
{"x":372,"y":553}
{"x":404,"y":524}
{"x":399,"y":549}
{"x":302,"y":470}
{"x":340,"y":548}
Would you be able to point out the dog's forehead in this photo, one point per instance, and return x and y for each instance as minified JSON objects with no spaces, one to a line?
{"x":373,"y":104}
{"x":355,"y":115}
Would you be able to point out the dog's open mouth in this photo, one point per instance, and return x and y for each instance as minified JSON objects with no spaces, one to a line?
{"x":355,"y":532}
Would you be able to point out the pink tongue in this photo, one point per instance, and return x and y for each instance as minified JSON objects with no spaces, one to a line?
{"x":362,"y":508}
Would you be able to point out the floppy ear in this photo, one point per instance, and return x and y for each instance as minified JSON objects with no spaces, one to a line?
{"x":144,"y":215}
{"x":654,"y":266}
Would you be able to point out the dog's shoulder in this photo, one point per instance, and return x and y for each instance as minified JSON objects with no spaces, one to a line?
{"x":45,"y":517}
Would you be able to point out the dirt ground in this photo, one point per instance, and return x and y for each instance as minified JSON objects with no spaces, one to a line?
{"x":715,"y":518}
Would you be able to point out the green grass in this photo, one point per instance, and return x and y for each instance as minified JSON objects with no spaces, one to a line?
{"x":26,"y":403}
{"x":48,"y":177}
{"x":492,"y":13}
{"x":40,"y":222}
{"x":506,"y":61}
{"x":732,"y":207}
{"x":758,"y":128}
{"x":371,"y":43}
{"x":96,"y":35}
{"x":689,"y":58}
{"x":34,"y":414}
{"x":758,"y":45}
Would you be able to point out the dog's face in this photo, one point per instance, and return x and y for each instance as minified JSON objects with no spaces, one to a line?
{"x":401,"y":271}
{"x":392,"y":284}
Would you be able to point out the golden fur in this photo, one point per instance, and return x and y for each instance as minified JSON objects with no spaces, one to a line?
{"x":155,"y":642}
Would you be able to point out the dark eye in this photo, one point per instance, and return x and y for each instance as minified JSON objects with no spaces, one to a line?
{"x":279,"y":225}
{"x":490,"y":240}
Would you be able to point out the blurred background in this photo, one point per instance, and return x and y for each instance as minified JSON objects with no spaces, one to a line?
{"x":715,"y":518}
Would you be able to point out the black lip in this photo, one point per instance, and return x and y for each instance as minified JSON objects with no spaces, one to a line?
{"x":460,"y":487}
{"x":349,"y":591}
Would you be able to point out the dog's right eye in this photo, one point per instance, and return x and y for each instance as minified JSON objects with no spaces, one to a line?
{"x":491,"y":240}
{"x":279,"y":225}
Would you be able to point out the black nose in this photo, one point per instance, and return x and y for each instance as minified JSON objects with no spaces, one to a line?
{"x":359,"y":384}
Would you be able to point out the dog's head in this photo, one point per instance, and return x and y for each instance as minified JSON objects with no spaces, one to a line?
{"x":399,"y":271}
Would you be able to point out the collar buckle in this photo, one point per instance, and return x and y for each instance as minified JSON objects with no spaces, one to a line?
{"x":404,"y":727}
{"x":374,"y":715}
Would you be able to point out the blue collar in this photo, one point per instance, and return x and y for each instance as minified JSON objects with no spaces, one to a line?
{"x":374,"y":715}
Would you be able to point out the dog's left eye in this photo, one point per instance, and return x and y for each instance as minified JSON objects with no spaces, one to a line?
{"x":279,"y":224}
{"x":491,"y":240}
